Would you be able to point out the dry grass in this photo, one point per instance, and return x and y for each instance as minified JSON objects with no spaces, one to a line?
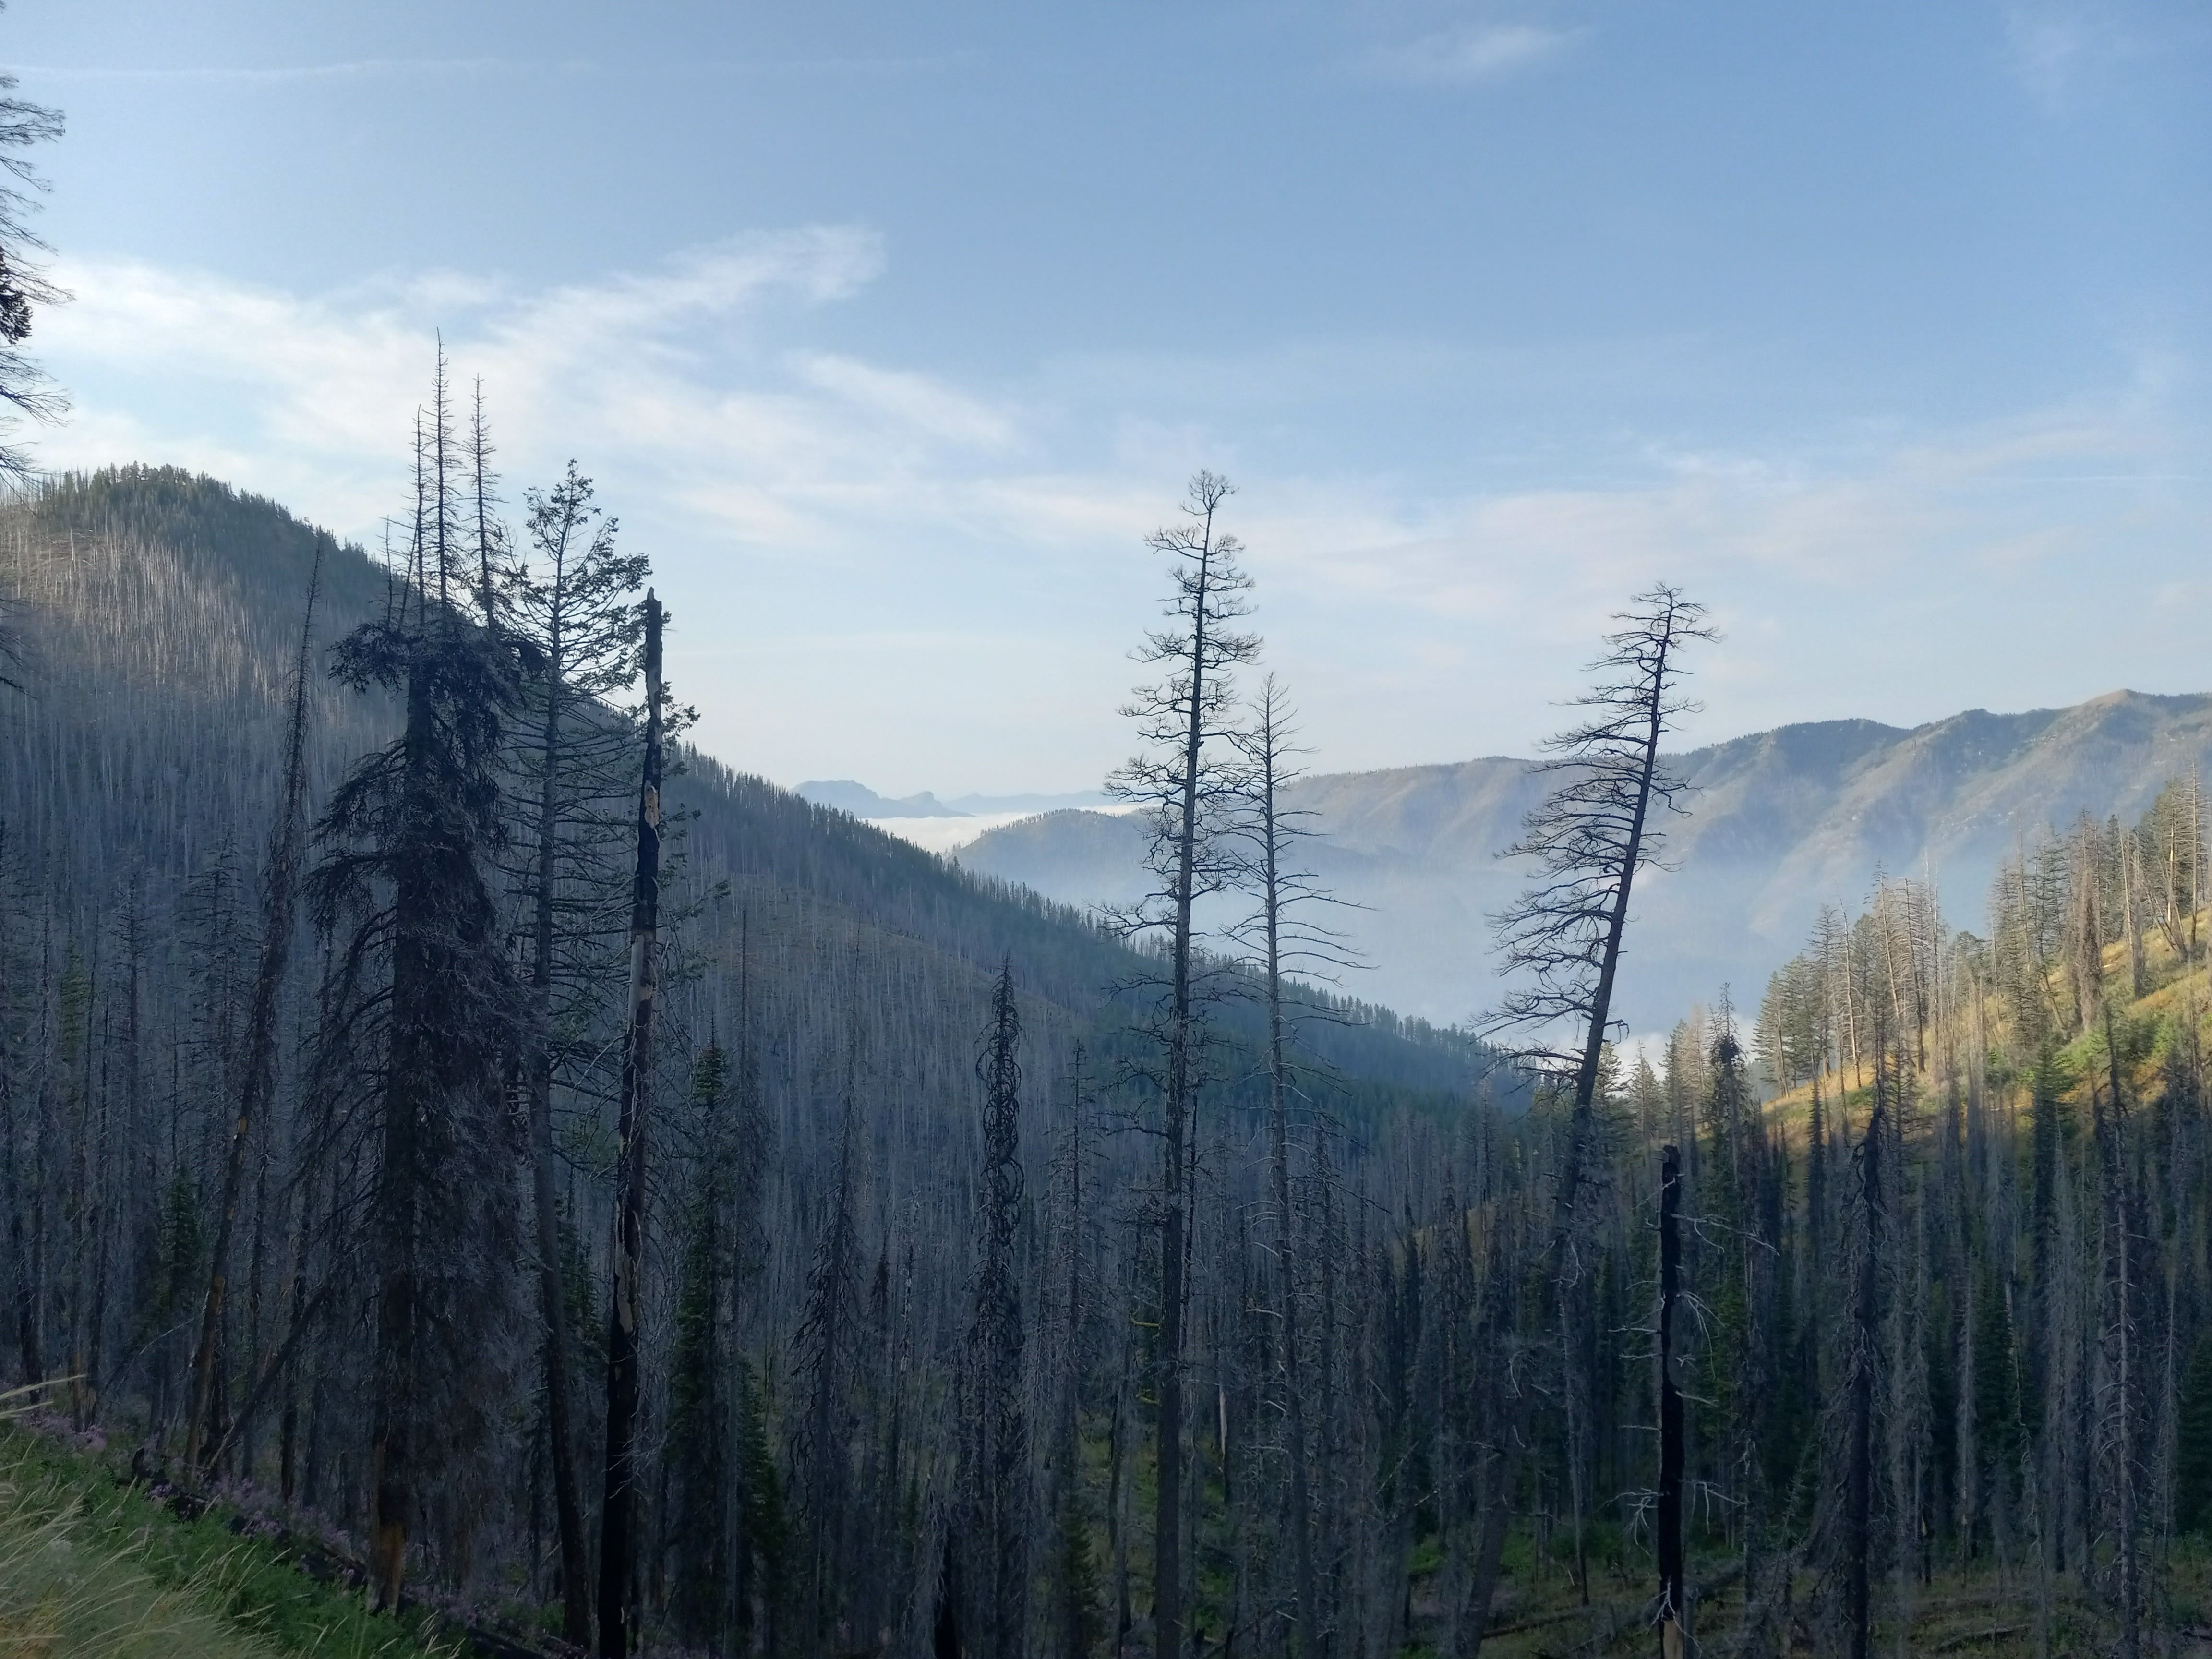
{"x":64,"y":1590}
{"x":91,"y":1568}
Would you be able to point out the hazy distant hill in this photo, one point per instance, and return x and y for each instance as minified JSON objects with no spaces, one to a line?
{"x":847,"y":795}
{"x":862,"y":802}
{"x":1782,"y":822}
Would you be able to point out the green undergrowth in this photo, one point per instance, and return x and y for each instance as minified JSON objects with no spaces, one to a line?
{"x":2173,"y":1014}
{"x":90,"y":1566}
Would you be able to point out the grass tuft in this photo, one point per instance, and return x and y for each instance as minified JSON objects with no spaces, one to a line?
{"x":91,"y":1567}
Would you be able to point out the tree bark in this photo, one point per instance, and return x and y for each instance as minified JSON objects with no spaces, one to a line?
{"x":1265,"y":750}
{"x":619,"y":1513}
{"x":537,"y":1063}
{"x":1167,"y":1512}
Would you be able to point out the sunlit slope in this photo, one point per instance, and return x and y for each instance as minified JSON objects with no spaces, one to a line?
{"x":2156,"y":1034}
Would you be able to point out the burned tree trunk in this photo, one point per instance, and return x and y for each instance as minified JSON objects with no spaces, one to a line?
{"x":537,"y":1083}
{"x":279,"y":901}
{"x":1074,"y":1591}
{"x":1866,"y":1348}
{"x":618,"y":1512}
{"x":407,"y":1100}
{"x":1287,"y":1243}
{"x":20,"y":1245}
{"x":1183,"y":788}
{"x":553,"y":1313}
{"x":1287,"y":938}
{"x":573,"y":609}
{"x":2122,"y":1411}
{"x":410,"y":836}
{"x":828,"y":1331}
{"x":2132,"y":912}
{"x":999,"y":1471}
{"x":1591,"y":834}
{"x":1673,"y":1591}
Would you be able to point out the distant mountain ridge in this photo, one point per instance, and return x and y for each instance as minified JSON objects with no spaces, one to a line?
{"x":1779,"y":823}
{"x":847,"y":795}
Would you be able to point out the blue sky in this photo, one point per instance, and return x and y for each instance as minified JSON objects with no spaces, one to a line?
{"x":889,"y":330}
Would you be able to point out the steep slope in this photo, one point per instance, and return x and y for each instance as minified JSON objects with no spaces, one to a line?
{"x":154,"y":618}
{"x":1781,"y":823}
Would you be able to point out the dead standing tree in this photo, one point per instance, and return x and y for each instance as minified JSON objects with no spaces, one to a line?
{"x":998,"y":1473}
{"x":410,"y":835}
{"x":618,"y":1508}
{"x":1284,"y":935}
{"x":573,"y":608}
{"x":1188,"y":789}
{"x":280,"y":893}
{"x":1674,"y":1589}
{"x":2119,"y":1443}
{"x":1591,"y":834}
{"x":1865,"y":1349}
{"x":1073,"y":1589}
{"x":24,"y":388}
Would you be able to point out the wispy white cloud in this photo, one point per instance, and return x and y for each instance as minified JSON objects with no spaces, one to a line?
{"x":314,"y":388}
{"x":678,"y":379}
{"x":823,"y":495}
{"x":1921,"y":507}
{"x":1481,"y":52}
{"x":912,"y":402}
{"x":2060,"y":52}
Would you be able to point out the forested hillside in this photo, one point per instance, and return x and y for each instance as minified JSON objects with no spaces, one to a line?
{"x":1782,"y":822}
{"x":1961,"y":1304}
{"x":816,"y":1149}
{"x":890,"y":1380}
{"x":482,"y":1177}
